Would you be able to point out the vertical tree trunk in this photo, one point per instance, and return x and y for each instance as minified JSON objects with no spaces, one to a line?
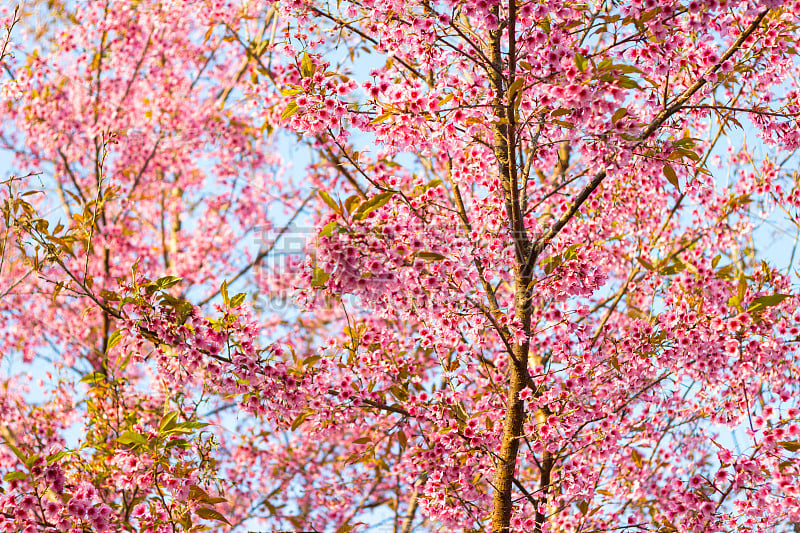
{"x":504,"y":150}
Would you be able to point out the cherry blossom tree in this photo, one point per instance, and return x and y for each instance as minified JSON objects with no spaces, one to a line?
{"x":535,"y":296}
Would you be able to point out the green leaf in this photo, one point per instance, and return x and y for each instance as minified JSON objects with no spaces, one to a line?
{"x":791,"y":445}
{"x":583,"y":506}
{"x":299,"y":421}
{"x":686,"y":142}
{"x":327,"y":230}
{"x":125,"y":360}
{"x":619,"y":114}
{"x":430,"y":256}
{"x":725,"y":272}
{"x":290,"y":110}
{"x":196,"y":493}
{"x":637,"y":457}
{"x":311,"y":360}
{"x":564,"y":124}
{"x":110,"y":296}
{"x":53,"y":457}
{"x":763,"y":302}
{"x":628,"y":83}
{"x":742,"y":199}
{"x":380,"y":118}
{"x":307,"y":67}
{"x":15,"y":475}
{"x":238,"y":299}
{"x":113,"y":340}
{"x":560,"y":112}
{"x":178,"y":430}
{"x":93,"y":378}
{"x":194,"y":425}
{"x":132,"y":438}
{"x":694,"y":156}
{"x":351,"y":202}
{"x":57,"y":290}
{"x":167,"y":281}
{"x":180,"y":443}
{"x":402,"y":439}
{"x":581,"y":62}
{"x":211,"y":514}
{"x":571,"y":252}
{"x":669,"y":172}
{"x":514,"y":88}
{"x":671,"y":269}
{"x":330,"y":201}
{"x":168,"y":421}
{"x":626,"y":69}
{"x":223,"y":290}
{"x":319,"y":277}
{"x":549,"y":264}
{"x":645,"y":263}
{"x":376,"y":202}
